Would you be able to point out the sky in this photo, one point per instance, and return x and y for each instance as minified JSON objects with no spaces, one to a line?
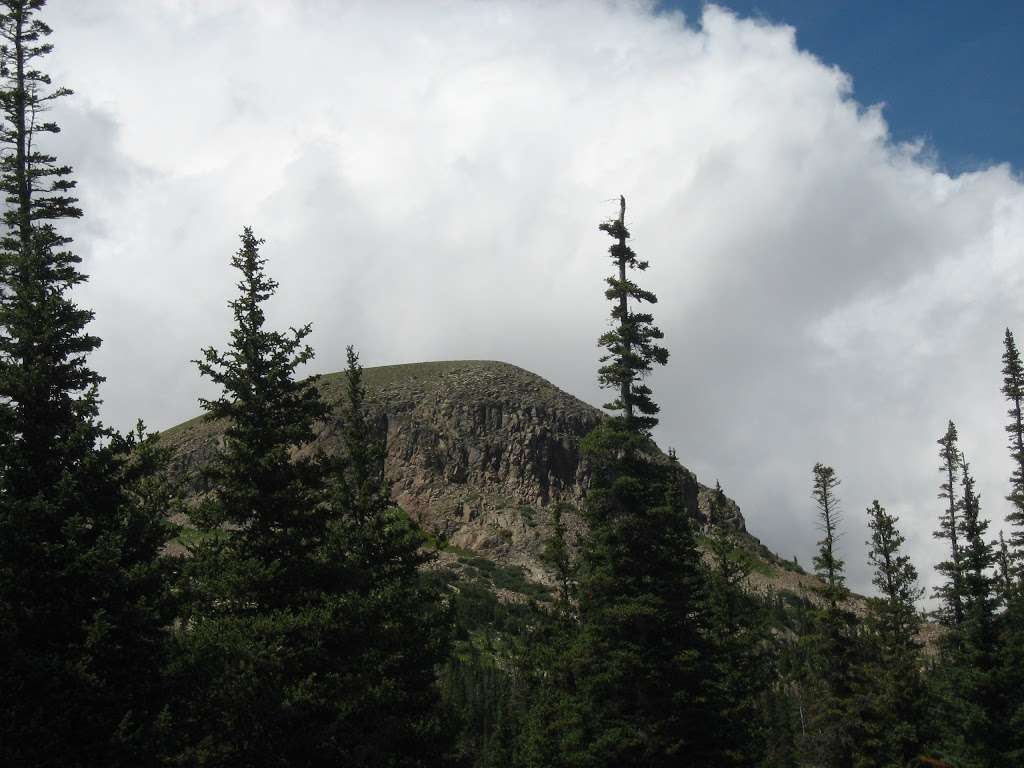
{"x":948,"y":72}
{"x":429,"y":177}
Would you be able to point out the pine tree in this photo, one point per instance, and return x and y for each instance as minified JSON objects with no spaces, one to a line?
{"x":636,"y":684}
{"x":1013,"y":391}
{"x":895,"y":692}
{"x":951,"y":592}
{"x":84,"y":593}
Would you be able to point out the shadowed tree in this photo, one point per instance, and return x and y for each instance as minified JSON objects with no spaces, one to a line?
{"x":896,"y":698}
{"x":310,"y":639}
{"x":970,"y":703}
{"x":831,"y":735}
{"x":635,"y":685}
{"x":1013,"y":391}
{"x":950,"y":592}
{"x":84,"y":595}
{"x":1010,"y":559}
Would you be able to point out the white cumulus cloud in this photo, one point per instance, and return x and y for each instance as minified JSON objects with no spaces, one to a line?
{"x":429,"y":178}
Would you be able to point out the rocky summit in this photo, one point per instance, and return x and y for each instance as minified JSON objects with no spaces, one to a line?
{"x":478,"y":451}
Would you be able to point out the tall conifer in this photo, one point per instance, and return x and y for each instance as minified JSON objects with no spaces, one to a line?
{"x":83,"y":591}
{"x":950,"y":592}
{"x":631,"y":344}
{"x":831,"y":736}
{"x":971,"y":707}
{"x":894,"y":688}
{"x":310,"y":639}
{"x":635,"y":685}
{"x":1013,"y":391}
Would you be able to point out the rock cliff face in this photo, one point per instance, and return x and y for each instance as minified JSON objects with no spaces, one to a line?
{"x":477,"y":452}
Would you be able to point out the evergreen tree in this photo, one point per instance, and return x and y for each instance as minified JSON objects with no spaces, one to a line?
{"x":739,"y":628}
{"x":308,"y":639}
{"x":831,"y":737}
{"x":1010,"y":561}
{"x":1013,"y":391}
{"x":896,"y":697}
{"x":631,"y":342}
{"x":1004,"y":571}
{"x":401,"y":629}
{"x":636,"y":685}
{"x":827,"y":564}
{"x":951,"y":592}
{"x":558,"y":557}
{"x":970,"y":706}
{"x":84,"y":594}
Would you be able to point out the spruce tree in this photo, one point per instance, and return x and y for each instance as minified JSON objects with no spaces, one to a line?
{"x":951,"y":592}
{"x":739,"y":630}
{"x":970,"y":706}
{"x":1010,"y":560}
{"x":896,"y":697}
{"x":831,"y":737}
{"x":636,"y":684}
{"x":84,"y":593}
{"x":827,"y":564}
{"x":400,"y":635}
{"x":631,"y":344}
{"x":1013,"y":391}
{"x":309,"y":639}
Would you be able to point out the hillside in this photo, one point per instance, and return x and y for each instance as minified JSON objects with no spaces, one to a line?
{"x":478,"y":452}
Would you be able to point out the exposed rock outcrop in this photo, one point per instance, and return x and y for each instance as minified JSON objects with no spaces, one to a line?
{"x":477,"y":452}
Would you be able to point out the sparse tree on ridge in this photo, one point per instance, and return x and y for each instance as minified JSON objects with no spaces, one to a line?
{"x":831,"y":736}
{"x":739,"y":629}
{"x":951,"y":592}
{"x":827,"y":563}
{"x":1013,"y":391}
{"x":631,"y":343}
{"x":970,"y":703}
{"x":896,"y":698}
{"x":1010,"y":558}
{"x":84,"y":593}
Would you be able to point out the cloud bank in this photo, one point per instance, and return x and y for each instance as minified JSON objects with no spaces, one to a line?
{"x":429,"y":178}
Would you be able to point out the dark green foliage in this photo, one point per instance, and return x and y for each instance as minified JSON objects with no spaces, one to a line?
{"x":1013,"y":391}
{"x":968,"y":702}
{"x":634,"y":683}
{"x":490,"y":680}
{"x":631,"y":344}
{"x":310,"y":637}
{"x":950,"y":592}
{"x":1004,"y":571}
{"x":558,"y":557}
{"x":84,"y":594}
{"x":827,"y":564}
{"x":1010,"y":563}
{"x":832,"y":731}
{"x":739,"y":627}
{"x":894,"y":697}
{"x":639,"y":675}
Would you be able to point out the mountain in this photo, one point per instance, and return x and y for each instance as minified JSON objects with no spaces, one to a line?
{"x":478,"y":452}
